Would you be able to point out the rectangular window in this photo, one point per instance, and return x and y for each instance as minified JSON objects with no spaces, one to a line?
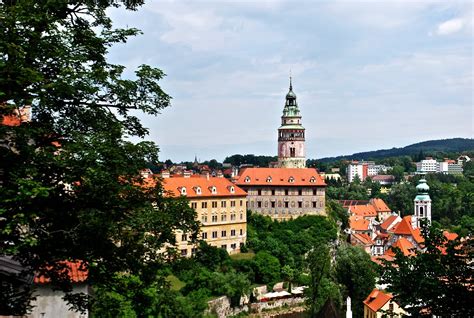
{"x":300,"y":204}
{"x":223,"y":233}
{"x":273,"y":204}
{"x":259,"y":192}
{"x":224,"y":246}
{"x":184,"y":252}
{"x":259,"y":204}
{"x":300,"y":192}
{"x":214,"y":218}
{"x":241,"y":216}
{"x":204,"y":235}
{"x":314,"y":191}
{"x":223,"y":217}
{"x":315,"y":204}
{"x":204,"y":219}
{"x":184,"y":237}
{"x":232,"y":232}
{"x":241,"y":232}
{"x":232,"y":217}
{"x":214,"y":204}
{"x":286,"y":191}
{"x":204,"y":205}
{"x":287,"y":204}
{"x":273,"y":192}
{"x":194,"y":205}
{"x":232,"y":203}
{"x":241,"y":202}
{"x":214,"y":234}
{"x":223,"y":204}
{"x":233,"y":246}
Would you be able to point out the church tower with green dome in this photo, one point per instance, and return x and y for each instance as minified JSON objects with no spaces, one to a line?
{"x":422,"y":202}
{"x":291,"y":135}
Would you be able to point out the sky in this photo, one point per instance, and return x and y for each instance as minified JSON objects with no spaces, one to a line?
{"x":368,"y":75}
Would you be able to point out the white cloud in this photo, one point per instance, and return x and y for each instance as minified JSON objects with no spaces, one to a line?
{"x":450,"y":26}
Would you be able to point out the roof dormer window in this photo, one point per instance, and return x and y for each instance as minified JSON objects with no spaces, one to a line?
{"x":312,"y":180}
{"x":232,"y":189}
{"x":213,"y":189}
{"x":183,"y":191}
{"x":291,"y":180}
{"x":269,"y":179}
{"x":247,"y":179}
{"x":198,"y":190}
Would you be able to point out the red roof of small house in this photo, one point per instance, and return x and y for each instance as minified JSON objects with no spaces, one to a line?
{"x":381,"y":177}
{"x":377,"y":299}
{"x":379,"y":205}
{"x":280,"y":177}
{"x":358,"y":223}
{"x":363,"y":210}
{"x":405,"y":228}
{"x":201,"y":187}
{"x":363,"y":238}
{"x":404,"y":245}
{"x":75,"y":270}
{"x":450,"y":236}
{"x":11,"y":120}
{"x":389,"y":221}
{"x":348,"y":203}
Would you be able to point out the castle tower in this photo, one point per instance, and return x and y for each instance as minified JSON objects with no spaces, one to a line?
{"x":422,"y":202}
{"x":291,"y":148}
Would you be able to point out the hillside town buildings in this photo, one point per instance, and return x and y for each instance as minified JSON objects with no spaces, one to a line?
{"x":221,"y":208}
{"x":381,"y":304}
{"x":284,"y":193}
{"x":364,"y":169}
{"x":430,"y":165}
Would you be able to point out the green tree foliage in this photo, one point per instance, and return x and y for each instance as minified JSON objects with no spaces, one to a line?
{"x":337,"y":213}
{"x":267,"y":268}
{"x":258,"y":161}
{"x":437,"y":281}
{"x":401,"y":198}
{"x":322,"y":286}
{"x":83,"y":201}
{"x":356,"y":272}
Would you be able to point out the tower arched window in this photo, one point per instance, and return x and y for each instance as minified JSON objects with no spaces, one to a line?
{"x":422,"y":211}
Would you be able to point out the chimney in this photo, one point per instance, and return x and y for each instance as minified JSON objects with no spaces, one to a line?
{"x":165,"y":174}
{"x":220,"y":174}
{"x":187,"y":173}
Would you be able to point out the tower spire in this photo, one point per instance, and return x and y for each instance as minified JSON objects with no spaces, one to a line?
{"x":291,"y":85}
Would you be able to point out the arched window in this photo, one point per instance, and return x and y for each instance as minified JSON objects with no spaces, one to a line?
{"x":421,"y":211}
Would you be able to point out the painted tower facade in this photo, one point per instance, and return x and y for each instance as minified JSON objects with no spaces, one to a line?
{"x":422,"y":202}
{"x":291,"y":135}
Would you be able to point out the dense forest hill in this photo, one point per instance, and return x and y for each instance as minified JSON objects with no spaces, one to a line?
{"x":430,"y":147}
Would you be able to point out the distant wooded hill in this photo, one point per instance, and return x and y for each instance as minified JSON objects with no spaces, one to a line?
{"x":430,"y":147}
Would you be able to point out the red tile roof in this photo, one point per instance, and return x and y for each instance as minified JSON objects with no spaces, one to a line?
{"x":358,"y":223}
{"x":405,"y":228}
{"x":223,"y":187}
{"x":404,"y":245}
{"x":363,"y":238}
{"x":75,"y":270}
{"x":11,"y":120}
{"x":389,"y":221}
{"x":363,"y":210}
{"x":379,"y":205}
{"x":280,"y":177}
{"x":377,"y":299}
